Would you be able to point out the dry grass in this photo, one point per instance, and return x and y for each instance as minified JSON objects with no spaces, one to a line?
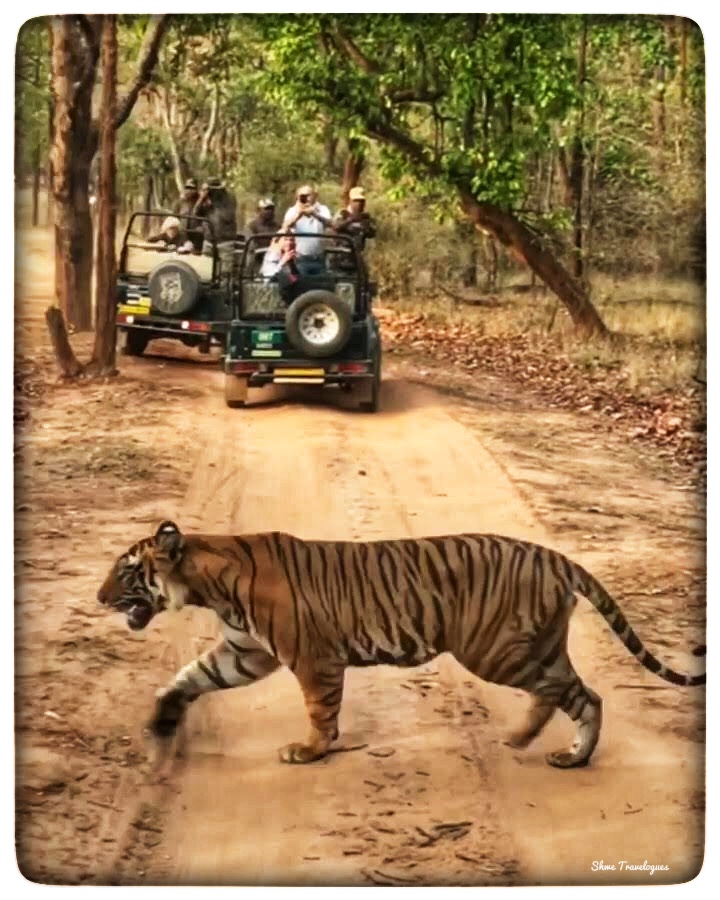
{"x":659,"y":326}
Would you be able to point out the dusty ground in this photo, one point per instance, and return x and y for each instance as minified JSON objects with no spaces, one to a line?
{"x":427,"y":792}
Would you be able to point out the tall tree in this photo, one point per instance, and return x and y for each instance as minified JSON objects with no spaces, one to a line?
{"x":103,"y":361}
{"x":75,"y":51}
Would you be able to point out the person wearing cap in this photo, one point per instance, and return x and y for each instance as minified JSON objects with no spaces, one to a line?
{"x":353,"y":219}
{"x":306,"y":217}
{"x":263,"y":222}
{"x":172,"y":236}
{"x":216,"y":204}
{"x":185,"y":207}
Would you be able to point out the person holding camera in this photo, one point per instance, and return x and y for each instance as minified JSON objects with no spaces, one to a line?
{"x":281,"y":253}
{"x":280,"y":265}
{"x":217,"y":205}
{"x":307,"y":218}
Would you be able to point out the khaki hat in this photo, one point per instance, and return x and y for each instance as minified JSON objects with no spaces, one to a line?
{"x":357,"y":193}
{"x":305,"y":189}
{"x":266,"y":203}
{"x":170,"y":222}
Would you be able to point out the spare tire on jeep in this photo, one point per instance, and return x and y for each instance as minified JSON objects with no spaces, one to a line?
{"x":174,"y":287}
{"x":318,"y":323}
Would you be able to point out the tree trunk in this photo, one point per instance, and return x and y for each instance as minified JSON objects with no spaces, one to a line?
{"x":354,"y":164}
{"x":470,"y":252}
{"x":178,"y":162}
{"x":514,"y":235}
{"x":103,"y":358}
{"x":71,"y":156}
{"x":573,"y":170}
{"x":75,"y":50}
{"x":36,"y":188}
{"x":210,"y":130}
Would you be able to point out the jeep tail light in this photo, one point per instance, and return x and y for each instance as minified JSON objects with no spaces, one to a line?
{"x":195,"y":326}
{"x":238,"y":368}
{"x":352,"y":368}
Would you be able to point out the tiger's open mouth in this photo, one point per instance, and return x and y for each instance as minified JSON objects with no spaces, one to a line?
{"x":138,"y":612}
{"x":139,"y":615}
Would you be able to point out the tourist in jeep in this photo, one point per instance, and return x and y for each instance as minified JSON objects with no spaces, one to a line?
{"x":218,"y":206}
{"x":188,"y":199}
{"x":172,"y":236}
{"x":264,"y":222}
{"x":282,"y":253}
{"x":307,"y":217}
{"x":354,"y":220}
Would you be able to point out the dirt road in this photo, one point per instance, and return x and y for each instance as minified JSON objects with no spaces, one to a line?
{"x":426,"y":792}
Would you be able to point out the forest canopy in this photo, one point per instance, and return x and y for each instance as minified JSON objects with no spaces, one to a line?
{"x":572,"y":143}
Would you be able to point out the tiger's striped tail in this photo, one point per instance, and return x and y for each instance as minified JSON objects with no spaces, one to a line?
{"x":608,"y":608}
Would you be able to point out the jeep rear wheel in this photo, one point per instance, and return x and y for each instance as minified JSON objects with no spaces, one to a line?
{"x":236,"y":391}
{"x":371,"y":387}
{"x":134,"y":342}
{"x":318,"y":323}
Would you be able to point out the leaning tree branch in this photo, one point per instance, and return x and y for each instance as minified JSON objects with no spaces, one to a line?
{"x":147,"y":61}
{"x":408,"y":95}
{"x":346,"y":44}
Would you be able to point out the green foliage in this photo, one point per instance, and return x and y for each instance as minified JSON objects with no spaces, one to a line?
{"x":32,"y":95}
{"x":139,"y":151}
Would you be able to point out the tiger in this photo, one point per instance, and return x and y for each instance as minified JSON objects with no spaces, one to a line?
{"x":499,"y":605}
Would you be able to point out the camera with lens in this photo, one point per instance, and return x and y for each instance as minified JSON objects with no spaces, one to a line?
{"x":304,"y":198}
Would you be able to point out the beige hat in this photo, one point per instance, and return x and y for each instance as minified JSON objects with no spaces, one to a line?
{"x":170,"y":222}
{"x":357,"y":193}
{"x":305,"y":189}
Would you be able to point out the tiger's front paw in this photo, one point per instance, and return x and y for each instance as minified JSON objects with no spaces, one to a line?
{"x":169,"y":712}
{"x":300,"y":753}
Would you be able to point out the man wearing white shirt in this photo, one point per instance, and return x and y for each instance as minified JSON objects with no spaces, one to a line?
{"x":306,"y":218}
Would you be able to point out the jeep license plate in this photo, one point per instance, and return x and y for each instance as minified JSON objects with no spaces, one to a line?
{"x":266,"y":340}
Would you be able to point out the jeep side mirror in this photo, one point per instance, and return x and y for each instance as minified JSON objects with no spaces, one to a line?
{"x":372,"y":288}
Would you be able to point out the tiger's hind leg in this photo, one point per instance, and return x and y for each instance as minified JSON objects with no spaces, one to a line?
{"x":322,"y":687}
{"x":559,"y":687}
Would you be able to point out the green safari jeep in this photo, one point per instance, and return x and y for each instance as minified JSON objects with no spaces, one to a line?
{"x":319,"y":330}
{"x":178,"y":289}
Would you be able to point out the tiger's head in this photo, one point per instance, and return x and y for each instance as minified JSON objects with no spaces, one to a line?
{"x":139,"y":582}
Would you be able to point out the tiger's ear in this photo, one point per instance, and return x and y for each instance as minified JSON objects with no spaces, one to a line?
{"x":170,"y":541}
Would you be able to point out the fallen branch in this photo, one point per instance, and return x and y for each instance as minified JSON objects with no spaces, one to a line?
{"x":64,"y":354}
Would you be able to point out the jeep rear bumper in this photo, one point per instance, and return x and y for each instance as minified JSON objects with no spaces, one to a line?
{"x":300,"y":371}
{"x":171,"y":327}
